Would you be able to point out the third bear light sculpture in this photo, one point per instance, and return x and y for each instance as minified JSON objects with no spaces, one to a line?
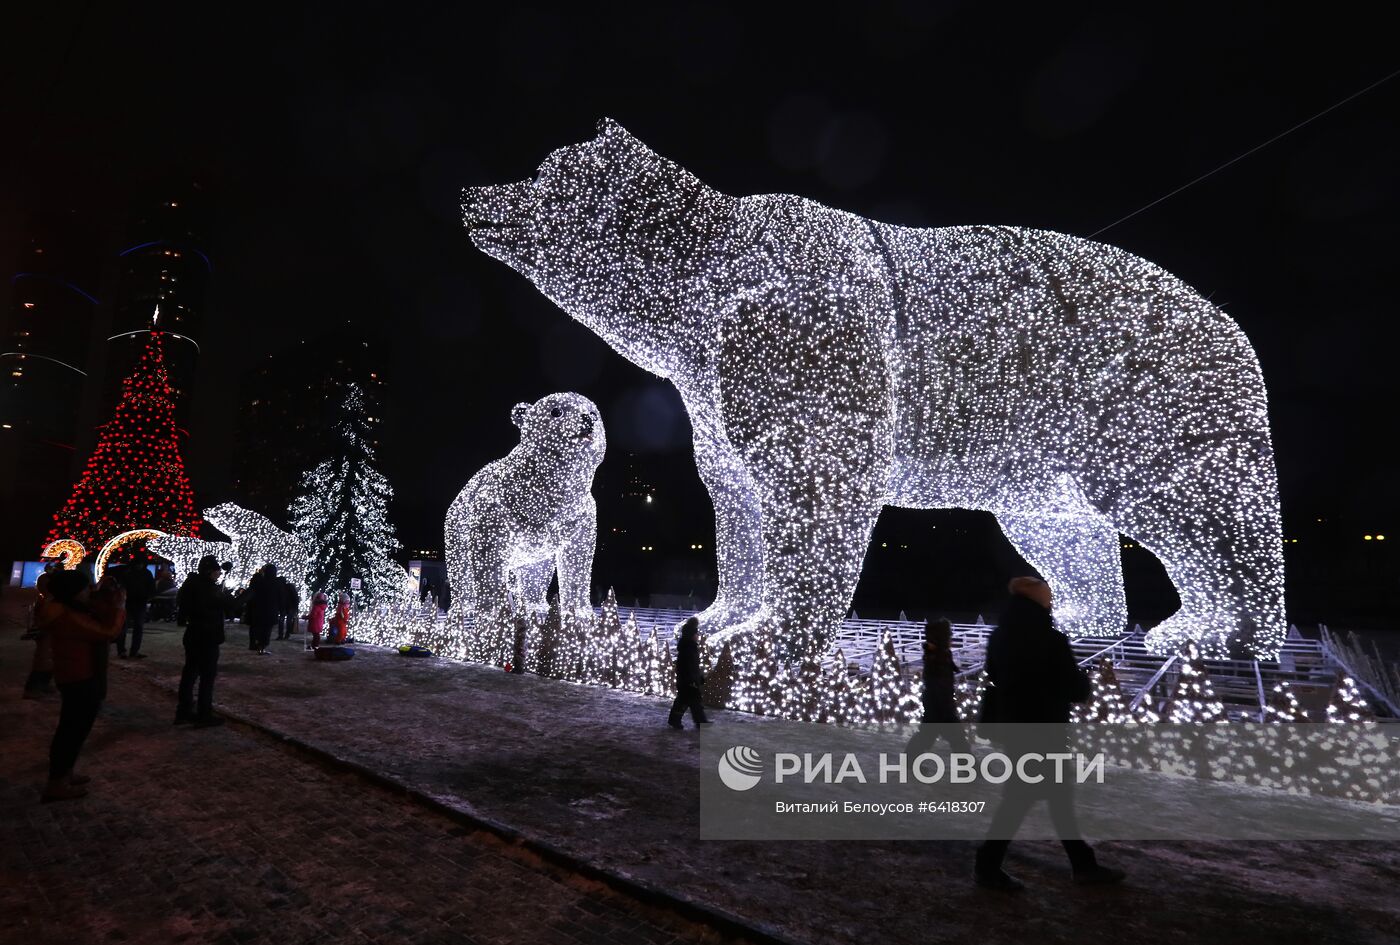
{"x":832,"y":365}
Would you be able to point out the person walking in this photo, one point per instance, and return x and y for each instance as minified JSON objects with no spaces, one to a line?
{"x":264,"y":603}
{"x":290,"y":603}
{"x":688,"y":677}
{"x":201,"y":605}
{"x":940,"y":709}
{"x":82,"y":625}
{"x":1033,"y":677}
{"x":316,"y":620}
{"x":139,"y":586}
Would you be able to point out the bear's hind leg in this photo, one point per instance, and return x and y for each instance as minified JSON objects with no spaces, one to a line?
{"x":1219,"y":537}
{"x":1076,"y":550}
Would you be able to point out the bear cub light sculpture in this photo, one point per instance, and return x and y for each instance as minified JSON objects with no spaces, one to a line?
{"x":530,"y":515}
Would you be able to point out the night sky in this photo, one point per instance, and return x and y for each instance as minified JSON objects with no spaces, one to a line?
{"x":333,"y":146}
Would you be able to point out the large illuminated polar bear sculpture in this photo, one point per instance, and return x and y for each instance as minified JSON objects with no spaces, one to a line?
{"x":529,"y":515}
{"x":832,"y":365}
{"x":254,"y":540}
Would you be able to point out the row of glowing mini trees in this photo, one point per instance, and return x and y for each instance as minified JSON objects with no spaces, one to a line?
{"x":611,"y":651}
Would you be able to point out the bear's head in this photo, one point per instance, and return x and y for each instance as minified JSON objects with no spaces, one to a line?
{"x":565,"y":427}
{"x":606,"y":229}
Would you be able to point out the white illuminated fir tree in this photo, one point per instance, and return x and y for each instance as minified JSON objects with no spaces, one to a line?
{"x":341,"y":514}
{"x":1283,"y":705}
{"x":1108,"y":703}
{"x":1347,"y":704}
{"x":1194,"y":698}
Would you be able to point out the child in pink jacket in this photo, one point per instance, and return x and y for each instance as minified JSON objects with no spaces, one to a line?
{"x":316,"y":620}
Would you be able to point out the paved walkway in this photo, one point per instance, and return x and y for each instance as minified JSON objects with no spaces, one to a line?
{"x":595,"y":775}
{"x":224,"y":835}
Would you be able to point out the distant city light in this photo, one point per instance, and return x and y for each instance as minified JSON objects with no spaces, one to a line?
{"x":1368,"y":537}
{"x":648,"y":499}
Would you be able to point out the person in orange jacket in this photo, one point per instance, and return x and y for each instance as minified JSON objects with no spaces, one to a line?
{"x":316,"y":620}
{"x":82,"y":625}
{"x":340,"y":623}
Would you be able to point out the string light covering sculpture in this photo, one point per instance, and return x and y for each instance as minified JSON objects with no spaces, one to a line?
{"x":254,"y":541}
{"x":134,"y":477}
{"x":184,"y":554}
{"x":832,"y":365}
{"x":341,"y":515}
{"x":524,"y":518}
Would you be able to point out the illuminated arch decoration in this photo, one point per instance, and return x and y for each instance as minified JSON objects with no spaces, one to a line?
{"x":527,"y":517}
{"x":99,"y":566}
{"x":70,"y":550}
{"x":832,"y":365}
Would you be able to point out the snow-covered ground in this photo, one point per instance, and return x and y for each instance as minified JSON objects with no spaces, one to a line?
{"x":597,"y":773}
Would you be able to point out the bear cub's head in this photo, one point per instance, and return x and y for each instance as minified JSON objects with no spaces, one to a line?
{"x":565,"y":426}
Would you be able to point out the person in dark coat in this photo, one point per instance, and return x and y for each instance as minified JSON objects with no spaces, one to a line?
{"x":201,"y":604}
{"x":82,"y":625}
{"x":40,"y":679}
{"x":139,"y":585}
{"x":264,"y":604}
{"x":688,"y":677}
{"x":1033,"y":677}
{"x":940,"y":715}
{"x":290,"y":602}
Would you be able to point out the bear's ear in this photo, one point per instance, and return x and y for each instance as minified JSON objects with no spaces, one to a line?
{"x":518,"y":413}
{"x":606,"y":127}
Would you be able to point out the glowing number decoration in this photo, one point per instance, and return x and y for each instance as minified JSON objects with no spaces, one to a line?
{"x":72,"y":552}
{"x":832,"y":365}
{"x":529,"y":516}
{"x":99,"y":566}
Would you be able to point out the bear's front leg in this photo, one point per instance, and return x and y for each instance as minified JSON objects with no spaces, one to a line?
{"x":574,"y":564}
{"x":738,"y":535}
{"x":488,"y":591}
{"x":806,"y":399}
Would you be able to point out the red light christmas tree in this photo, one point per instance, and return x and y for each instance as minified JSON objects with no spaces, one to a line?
{"x":135,"y":477}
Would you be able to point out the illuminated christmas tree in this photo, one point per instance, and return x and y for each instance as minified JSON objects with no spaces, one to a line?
{"x":1283,"y":705}
{"x":341,"y":514}
{"x":1347,"y":704}
{"x":134,"y":477}
{"x":1194,"y":697}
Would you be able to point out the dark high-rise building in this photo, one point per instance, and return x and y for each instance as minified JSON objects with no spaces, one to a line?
{"x":163,"y":265}
{"x":45,"y":342}
{"x":287,"y":407}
